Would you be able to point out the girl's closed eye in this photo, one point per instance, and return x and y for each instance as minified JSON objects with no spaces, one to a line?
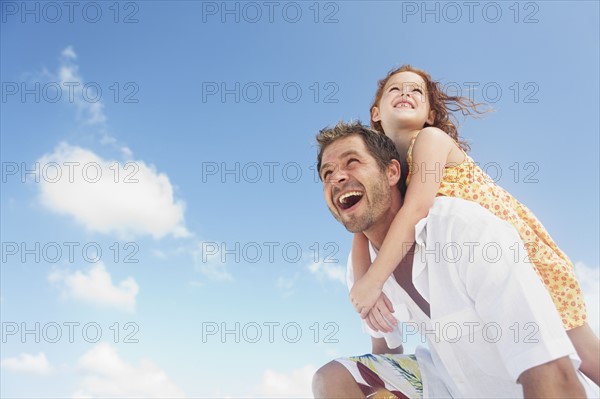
{"x":417,"y":90}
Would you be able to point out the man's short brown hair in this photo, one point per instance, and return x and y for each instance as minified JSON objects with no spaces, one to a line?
{"x":380,"y":146}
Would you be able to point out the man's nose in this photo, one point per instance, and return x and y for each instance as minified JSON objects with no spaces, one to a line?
{"x":338,"y":176}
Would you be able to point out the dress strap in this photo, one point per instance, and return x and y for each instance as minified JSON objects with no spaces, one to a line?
{"x":410,"y":147}
{"x":409,"y":156}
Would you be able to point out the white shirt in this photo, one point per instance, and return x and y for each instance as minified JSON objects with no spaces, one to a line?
{"x":491,"y":316}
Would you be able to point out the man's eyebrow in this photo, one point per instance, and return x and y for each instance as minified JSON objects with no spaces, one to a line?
{"x":325,"y":165}
{"x":349,"y":152}
{"x":343,"y":155}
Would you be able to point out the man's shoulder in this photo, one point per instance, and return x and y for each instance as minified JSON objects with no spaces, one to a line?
{"x":453,"y":218}
{"x":458,"y":209}
{"x":452,"y":206}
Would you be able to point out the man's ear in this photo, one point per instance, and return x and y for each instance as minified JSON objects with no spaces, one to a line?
{"x":375,"y":117}
{"x":394,"y":171}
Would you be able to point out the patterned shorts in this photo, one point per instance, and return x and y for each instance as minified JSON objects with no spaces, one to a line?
{"x":386,"y":376}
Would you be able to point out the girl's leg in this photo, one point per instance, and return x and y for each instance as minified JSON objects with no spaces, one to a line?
{"x":588,"y":348}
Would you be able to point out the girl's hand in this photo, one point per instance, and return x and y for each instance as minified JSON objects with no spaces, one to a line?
{"x":380,"y":317}
{"x":364,"y":294}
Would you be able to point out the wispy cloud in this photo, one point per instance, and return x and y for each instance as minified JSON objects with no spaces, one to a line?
{"x":68,"y":53}
{"x":90,"y":112}
{"x":108,"y":375}
{"x":328,"y":271}
{"x":107,"y":196}
{"x":96,"y":287}
{"x":29,"y":364}
{"x":208,"y":261}
{"x":286,"y":285}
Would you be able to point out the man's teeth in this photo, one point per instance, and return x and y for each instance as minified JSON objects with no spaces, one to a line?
{"x":345,"y":196}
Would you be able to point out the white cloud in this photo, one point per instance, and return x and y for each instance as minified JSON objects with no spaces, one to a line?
{"x":126,"y":152}
{"x":159,"y":254}
{"x":589,"y":280}
{"x":214,"y":271}
{"x":69,"y":53}
{"x":329,"y":271}
{"x":26,"y":363}
{"x":296,"y":384}
{"x":116,"y":202}
{"x":106,"y":196}
{"x":209,"y":261}
{"x":107,"y":375}
{"x":96,"y":287}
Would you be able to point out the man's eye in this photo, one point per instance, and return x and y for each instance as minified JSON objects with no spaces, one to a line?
{"x":325,"y":175}
{"x":351,"y":160}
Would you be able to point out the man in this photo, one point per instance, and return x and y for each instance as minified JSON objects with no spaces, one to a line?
{"x":489,"y":322}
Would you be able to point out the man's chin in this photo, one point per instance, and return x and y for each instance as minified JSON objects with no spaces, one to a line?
{"x":351,"y":223}
{"x":352,"y":229}
{"x":354,"y":226}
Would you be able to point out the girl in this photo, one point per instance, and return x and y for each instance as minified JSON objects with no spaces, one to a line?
{"x":411,"y":109}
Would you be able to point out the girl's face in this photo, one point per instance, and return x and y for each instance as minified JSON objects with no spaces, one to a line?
{"x":404,"y":104}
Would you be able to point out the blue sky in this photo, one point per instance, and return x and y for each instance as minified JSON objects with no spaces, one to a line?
{"x":184,"y":245}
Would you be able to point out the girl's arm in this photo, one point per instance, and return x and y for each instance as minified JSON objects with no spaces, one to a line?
{"x":430,"y":155}
{"x":380,"y":318}
{"x":361,"y":259}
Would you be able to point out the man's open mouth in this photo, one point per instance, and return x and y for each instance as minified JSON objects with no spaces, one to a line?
{"x":349,"y":199}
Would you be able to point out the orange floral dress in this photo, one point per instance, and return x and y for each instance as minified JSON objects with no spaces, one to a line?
{"x":469,"y":182}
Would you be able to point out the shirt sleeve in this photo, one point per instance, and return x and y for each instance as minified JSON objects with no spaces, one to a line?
{"x":505,"y":289}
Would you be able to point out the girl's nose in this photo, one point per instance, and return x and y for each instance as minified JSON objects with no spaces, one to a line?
{"x":404,"y":93}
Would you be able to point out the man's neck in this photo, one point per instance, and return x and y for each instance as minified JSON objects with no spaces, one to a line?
{"x":377,"y":232}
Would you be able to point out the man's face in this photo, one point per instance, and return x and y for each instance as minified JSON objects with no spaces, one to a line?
{"x":356,"y":190}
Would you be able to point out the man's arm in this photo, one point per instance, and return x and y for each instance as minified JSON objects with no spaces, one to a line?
{"x":555,"y":379}
{"x":509,"y":292}
{"x":380,"y":347}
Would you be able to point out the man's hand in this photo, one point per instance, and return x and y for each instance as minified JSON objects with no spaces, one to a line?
{"x":380,"y":317}
{"x":364,"y":293}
